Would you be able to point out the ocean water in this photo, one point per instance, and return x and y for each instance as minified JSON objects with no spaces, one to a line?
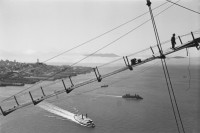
{"x":110,"y":112}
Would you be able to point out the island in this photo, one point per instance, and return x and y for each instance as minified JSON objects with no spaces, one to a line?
{"x":14,"y":73}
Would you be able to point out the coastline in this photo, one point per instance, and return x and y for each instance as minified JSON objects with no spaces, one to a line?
{"x":19,"y":74}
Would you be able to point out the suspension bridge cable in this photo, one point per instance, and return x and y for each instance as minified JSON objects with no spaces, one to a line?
{"x":103,"y":76}
{"x":189,"y":70}
{"x":122,"y":58}
{"x":162,"y":43}
{"x":174,"y":95}
{"x":90,"y":54}
{"x":162,"y":60}
{"x":183,"y":7}
{"x":141,"y":71}
{"x":169,"y":79}
{"x":93,"y":38}
{"x":134,"y":53}
{"x":98,"y":66}
{"x":103,"y":33}
{"x":170,"y":97}
{"x":155,"y":31}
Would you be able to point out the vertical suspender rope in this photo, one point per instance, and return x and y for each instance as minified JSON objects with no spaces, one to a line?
{"x":174,"y":96}
{"x":189,"y":69}
{"x":165,"y":69}
{"x":171,"y":100}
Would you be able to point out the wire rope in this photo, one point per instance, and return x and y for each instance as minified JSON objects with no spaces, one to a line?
{"x":94,"y":38}
{"x":189,"y":81}
{"x":165,"y":70}
{"x":183,"y":7}
{"x":90,"y":54}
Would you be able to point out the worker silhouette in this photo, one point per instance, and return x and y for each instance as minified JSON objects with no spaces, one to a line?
{"x":173,"y":41}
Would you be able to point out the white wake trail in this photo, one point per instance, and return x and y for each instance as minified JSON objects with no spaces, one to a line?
{"x":104,"y":95}
{"x":113,"y":96}
{"x":58,"y":111}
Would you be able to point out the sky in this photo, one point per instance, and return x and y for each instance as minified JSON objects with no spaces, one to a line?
{"x":41,"y":29}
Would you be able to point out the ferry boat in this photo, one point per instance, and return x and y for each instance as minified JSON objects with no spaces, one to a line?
{"x":132,"y":96}
{"x":84,"y":120}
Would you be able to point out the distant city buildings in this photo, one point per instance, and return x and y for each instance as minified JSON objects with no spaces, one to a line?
{"x":21,"y":72}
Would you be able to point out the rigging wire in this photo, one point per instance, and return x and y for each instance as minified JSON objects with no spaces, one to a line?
{"x":92,"y":39}
{"x":171,"y":100}
{"x":142,"y":71}
{"x":104,"y":76}
{"x":165,"y":69}
{"x":104,"y":33}
{"x":102,"y":65}
{"x":183,"y":7}
{"x":121,"y":58}
{"x":174,"y":96}
{"x":91,"y":53}
{"x":189,"y":70}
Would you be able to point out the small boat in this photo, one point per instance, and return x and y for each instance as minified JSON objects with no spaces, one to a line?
{"x":104,"y":86}
{"x":132,"y":96}
{"x":84,"y":120}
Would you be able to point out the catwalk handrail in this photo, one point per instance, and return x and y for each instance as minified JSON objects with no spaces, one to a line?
{"x":193,"y":43}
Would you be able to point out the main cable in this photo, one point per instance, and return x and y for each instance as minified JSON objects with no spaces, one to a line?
{"x":103,"y":33}
{"x":162,"y":60}
{"x":174,"y":95}
{"x":89,"y":54}
{"x":183,"y":7}
{"x":170,"y":97}
{"x":189,"y":69}
{"x":90,"y":40}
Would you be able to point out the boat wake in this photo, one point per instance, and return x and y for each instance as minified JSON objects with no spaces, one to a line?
{"x":57,"y":117}
{"x":58,"y":111}
{"x":110,"y":95}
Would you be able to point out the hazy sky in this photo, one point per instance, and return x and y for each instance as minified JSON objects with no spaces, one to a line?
{"x":31,"y":29}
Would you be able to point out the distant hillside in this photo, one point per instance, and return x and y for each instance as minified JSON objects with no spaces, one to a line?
{"x":16,"y":73}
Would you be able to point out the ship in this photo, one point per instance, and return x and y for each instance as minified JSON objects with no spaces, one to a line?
{"x":132,"y":96}
{"x":104,"y":86}
{"x":84,"y":120}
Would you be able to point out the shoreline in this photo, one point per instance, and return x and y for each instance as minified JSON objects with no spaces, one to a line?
{"x":32,"y":80}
